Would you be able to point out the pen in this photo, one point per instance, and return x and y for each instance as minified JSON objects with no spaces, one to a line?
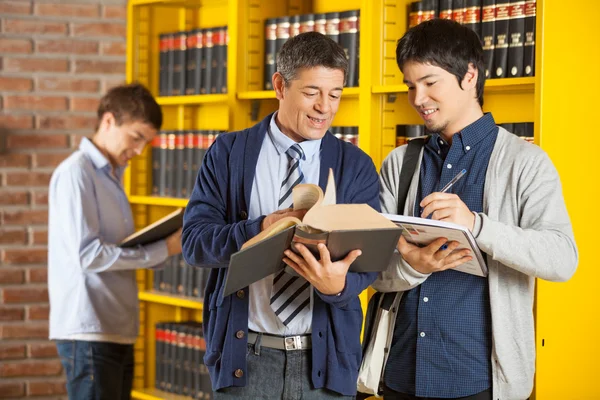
{"x":453,"y":181}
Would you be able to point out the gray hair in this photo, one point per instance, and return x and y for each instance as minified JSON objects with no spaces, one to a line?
{"x":309,"y":50}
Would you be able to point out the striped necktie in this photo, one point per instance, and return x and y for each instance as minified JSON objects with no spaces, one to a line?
{"x":290,"y":298}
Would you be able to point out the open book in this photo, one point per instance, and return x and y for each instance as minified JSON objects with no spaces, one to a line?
{"x":422,"y":231}
{"x":342,"y":227}
{"x":156,"y":231}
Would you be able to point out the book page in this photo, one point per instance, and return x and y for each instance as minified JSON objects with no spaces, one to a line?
{"x":272,"y":230}
{"x":330,"y":196}
{"x":306,"y":195}
{"x":346,"y":217}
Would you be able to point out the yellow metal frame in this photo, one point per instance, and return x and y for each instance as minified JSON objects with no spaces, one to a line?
{"x":376,"y":106}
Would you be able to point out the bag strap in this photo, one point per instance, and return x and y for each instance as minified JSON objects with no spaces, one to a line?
{"x":409,"y":164}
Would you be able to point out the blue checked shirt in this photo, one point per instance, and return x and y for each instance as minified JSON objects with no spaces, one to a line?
{"x":442,"y":339}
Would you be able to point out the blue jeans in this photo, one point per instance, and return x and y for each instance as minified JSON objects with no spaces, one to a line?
{"x":277,"y":374}
{"x":97,"y":370}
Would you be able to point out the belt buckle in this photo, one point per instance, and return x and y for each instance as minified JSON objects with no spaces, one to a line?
{"x":292,"y":343}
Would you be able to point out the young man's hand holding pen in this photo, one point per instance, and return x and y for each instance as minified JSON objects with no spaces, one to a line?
{"x":443,"y":206}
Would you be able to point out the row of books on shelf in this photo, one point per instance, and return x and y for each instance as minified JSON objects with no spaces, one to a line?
{"x":404,"y":133}
{"x":193,"y":62}
{"x":179,"y":278}
{"x":506,"y":29}
{"x":342,"y":27}
{"x":176,"y":158}
{"x":180,"y":369}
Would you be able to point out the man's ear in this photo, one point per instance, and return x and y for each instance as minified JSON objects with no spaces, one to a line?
{"x":470,"y":79}
{"x":278,"y":85}
{"x":107,"y":121}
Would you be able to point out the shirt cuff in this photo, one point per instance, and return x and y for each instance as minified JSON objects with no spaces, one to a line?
{"x":477,"y":224}
{"x":157,"y":253}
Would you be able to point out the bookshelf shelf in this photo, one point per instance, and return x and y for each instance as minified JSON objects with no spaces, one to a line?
{"x":158,"y":201}
{"x":172,"y":300}
{"x":191,"y":100}
{"x":155,"y":394}
{"x":512,"y":85}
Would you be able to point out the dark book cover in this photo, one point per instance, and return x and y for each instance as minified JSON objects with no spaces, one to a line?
{"x":179,"y":156}
{"x":155,"y":165}
{"x":224,"y":62}
{"x":501,"y":42}
{"x":189,"y":173}
{"x":170,"y":63}
{"x":199,"y":54}
{"x":200,"y":149}
{"x":214,"y":65}
{"x":179,"y":64}
{"x":415,"y":15}
{"x":516,"y":29}
{"x":183,"y":276}
{"x":282,"y":35}
{"x":158,"y":358}
{"x":156,"y":231}
{"x":170,"y":341}
{"x":445,"y":9}
{"x":207,"y":60}
{"x":265,"y":257}
{"x":332,"y":26}
{"x":170,"y":168}
{"x":529,"y":45}
{"x":191,"y":58}
{"x":162,"y":161}
{"x":163,"y":65}
{"x":430,"y":8}
{"x":294,"y":25}
{"x":488,"y":18}
{"x":175,"y":276}
{"x":351,"y":134}
{"x":307,"y":23}
{"x":321,"y":23}
{"x":459,"y":11}
{"x":220,"y":60}
{"x":473,"y":16}
{"x":349,"y":41}
{"x":270,"y":51}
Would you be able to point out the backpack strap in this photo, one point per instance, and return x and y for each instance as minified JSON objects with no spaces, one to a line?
{"x":409,"y":164}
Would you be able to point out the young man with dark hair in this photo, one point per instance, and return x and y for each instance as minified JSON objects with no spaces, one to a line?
{"x":284,"y":337}
{"x":458,"y":335}
{"x":91,"y":281}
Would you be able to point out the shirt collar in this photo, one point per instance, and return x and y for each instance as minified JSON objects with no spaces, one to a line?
{"x":98,"y":159}
{"x":282,"y":143}
{"x":470,"y":135}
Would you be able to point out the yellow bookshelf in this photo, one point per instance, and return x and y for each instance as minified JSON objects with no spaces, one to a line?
{"x":377,"y":106}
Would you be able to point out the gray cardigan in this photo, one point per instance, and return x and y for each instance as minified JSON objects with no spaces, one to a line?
{"x":526,"y":233}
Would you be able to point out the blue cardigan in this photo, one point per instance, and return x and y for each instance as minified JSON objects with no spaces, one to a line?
{"x":216,"y":225}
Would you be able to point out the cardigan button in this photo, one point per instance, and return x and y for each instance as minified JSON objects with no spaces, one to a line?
{"x":244,"y":215}
{"x":239,"y":334}
{"x":238,"y":373}
{"x":240,"y":294}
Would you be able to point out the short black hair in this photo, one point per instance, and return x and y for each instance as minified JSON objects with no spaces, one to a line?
{"x":310,"y":50}
{"x":445,"y":44}
{"x":131,"y":103}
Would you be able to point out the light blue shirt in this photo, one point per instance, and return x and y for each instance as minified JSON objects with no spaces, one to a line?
{"x":271,"y":168}
{"x":91,"y":281}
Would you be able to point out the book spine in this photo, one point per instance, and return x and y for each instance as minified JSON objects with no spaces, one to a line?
{"x":190,"y":62}
{"x":188,"y":164}
{"x":207,"y":60}
{"x":501,"y":41}
{"x":224,"y":65}
{"x":200,"y":149}
{"x":459,"y":11}
{"x":429,"y":9}
{"x":349,"y":41}
{"x":179,"y":163}
{"x":516,"y":38}
{"x":220,"y":61}
{"x":175,"y":276}
{"x":415,"y":15}
{"x":170,"y":169}
{"x":158,"y":359}
{"x":270,"y":51}
{"x":294,"y":25}
{"x":473,"y":16}
{"x":179,"y":64}
{"x":529,"y":45}
{"x":169,"y":356}
{"x":282,"y":35}
{"x":182,"y":272}
{"x":332,"y":26}
{"x":321,"y":23}
{"x":488,"y":18}
{"x":170,"y":63}
{"x":199,"y":54}
{"x":307,"y":23}
{"x":163,"y":65}
{"x":445,"y":9}
{"x":155,"y":165}
{"x":162,"y":157}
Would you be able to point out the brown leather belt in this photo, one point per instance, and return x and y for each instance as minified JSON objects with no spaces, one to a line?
{"x":287,"y":343}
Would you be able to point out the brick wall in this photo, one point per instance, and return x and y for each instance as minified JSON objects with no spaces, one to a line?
{"x":56,"y":60}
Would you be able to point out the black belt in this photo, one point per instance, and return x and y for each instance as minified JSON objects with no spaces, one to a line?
{"x":288,"y":343}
